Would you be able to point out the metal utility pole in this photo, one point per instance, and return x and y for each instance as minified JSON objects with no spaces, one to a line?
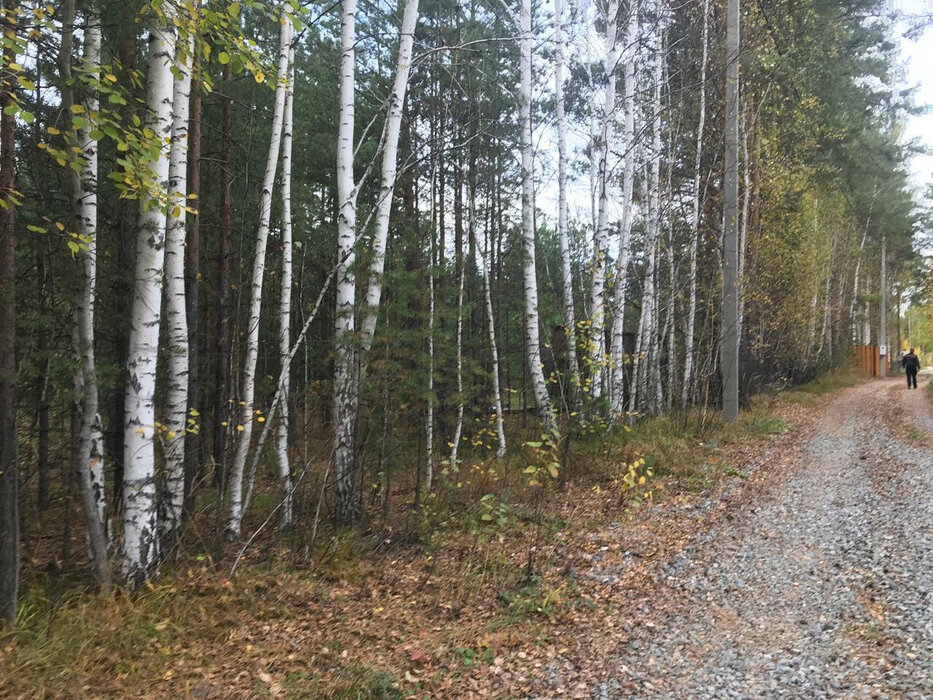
{"x":729,"y":345}
{"x":884,"y":306}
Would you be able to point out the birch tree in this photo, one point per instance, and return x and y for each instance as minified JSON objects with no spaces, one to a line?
{"x":349,"y":359}
{"x":649,"y":382}
{"x":530,"y":276}
{"x":570,"y":324}
{"x":140,"y":546}
{"x":176,"y":403}
{"x":389,"y":171}
{"x":285,"y":299}
{"x":689,"y":340}
{"x":491,"y":330}
{"x":90,"y":449}
{"x":248,"y":386}
{"x":617,"y":348}
{"x":601,"y":234}
{"x":345,"y":361}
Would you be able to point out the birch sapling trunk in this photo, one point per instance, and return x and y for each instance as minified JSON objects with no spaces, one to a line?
{"x":493,"y":347}
{"x":596,"y":355}
{"x":570,"y":324}
{"x":140,"y":546}
{"x":617,"y":358}
{"x":176,"y":312}
{"x":285,"y":309}
{"x":248,"y":387}
{"x":532,"y":342}
{"x":194,"y":437}
{"x":458,"y":429}
{"x":90,"y":467}
{"x":346,"y":378}
{"x":689,"y":339}
{"x":429,"y":417}
{"x":743,"y":220}
{"x":389,"y":172}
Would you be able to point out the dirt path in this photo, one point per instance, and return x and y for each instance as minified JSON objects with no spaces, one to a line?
{"x":819,"y":581}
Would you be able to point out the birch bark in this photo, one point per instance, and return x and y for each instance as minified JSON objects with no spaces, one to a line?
{"x":389,"y":172}
{"x":176,"y":404}
{"x":140,"y":546}
{"x":493,"y":346}
{"x":570,"y":327}
{"x":649,"y":369}
{"x":285,"y":300}
{"x":533,"y":348}
{"x":687,"y":389}
{"x":617,"y":361}
{"x":345,"y":363}
{"x":247,"y":392}
{"x":90,"y":466}
{"x":596,"y":355}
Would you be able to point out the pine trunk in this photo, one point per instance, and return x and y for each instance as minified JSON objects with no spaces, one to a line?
{"x":9,"y":475}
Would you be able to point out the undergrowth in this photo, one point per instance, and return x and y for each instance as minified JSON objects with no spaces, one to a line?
{"x":477,"y":543}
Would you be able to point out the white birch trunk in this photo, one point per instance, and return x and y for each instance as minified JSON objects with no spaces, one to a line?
{"x":247,"y":391}
{"x":570,"y":327}
{"x":346,"y":377}
{"x":649,"y":370}
{"x":617,"y":347}
{"x":743,"y":221}
{"x":493,"y":346}
{"x":532,"y":342}
{"x":429,"y":417}
{"x":285,"y":300}
{"x":91,"y":435}
{"x":689,"y":340}
{"x":596,"y":355}
{"x":176,"y":402}
{"x":140,"y":546}
{"x":389,"y":172}
{"x":458,"y":430}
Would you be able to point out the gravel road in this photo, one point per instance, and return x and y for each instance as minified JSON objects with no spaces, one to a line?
{"x":819,"y":584}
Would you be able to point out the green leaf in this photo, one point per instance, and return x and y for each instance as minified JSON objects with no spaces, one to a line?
{"x":233,"y":9}
{"x":27,"y":117}
{"x":223,"y":58}
{"x":11,"y":110}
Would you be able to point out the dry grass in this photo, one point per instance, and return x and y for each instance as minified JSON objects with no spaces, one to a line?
{"x":427,"y":600}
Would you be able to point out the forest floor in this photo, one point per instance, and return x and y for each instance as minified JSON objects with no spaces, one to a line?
{"x":790,"y":555}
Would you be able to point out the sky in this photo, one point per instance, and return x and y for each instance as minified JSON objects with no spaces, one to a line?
{"x":917,"y":53}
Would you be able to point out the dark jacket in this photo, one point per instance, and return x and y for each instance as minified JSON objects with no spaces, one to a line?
{"x":911,"y":362}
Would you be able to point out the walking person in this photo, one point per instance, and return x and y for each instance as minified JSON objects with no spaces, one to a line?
{"x":911,"y":365}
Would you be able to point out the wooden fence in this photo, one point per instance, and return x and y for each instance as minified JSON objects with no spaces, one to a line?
{"x":868,"y":360}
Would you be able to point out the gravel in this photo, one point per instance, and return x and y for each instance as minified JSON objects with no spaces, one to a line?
{"x":819,"y":586}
